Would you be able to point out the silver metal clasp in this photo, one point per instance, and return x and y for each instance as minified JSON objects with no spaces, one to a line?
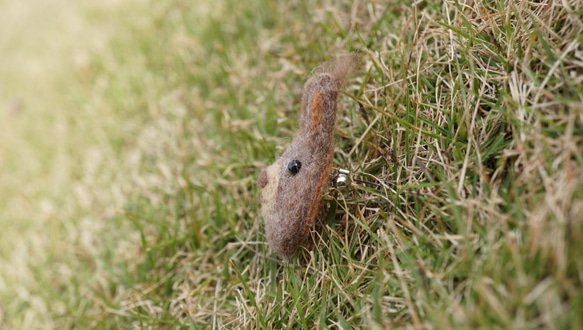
{"x":342,"y":178}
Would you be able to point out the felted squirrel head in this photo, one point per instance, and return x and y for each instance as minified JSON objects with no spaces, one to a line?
{"x":291,"y":188}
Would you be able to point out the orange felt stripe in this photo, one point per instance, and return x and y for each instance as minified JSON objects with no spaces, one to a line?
{"x":316,"y":109}
{"x":317,"y":196}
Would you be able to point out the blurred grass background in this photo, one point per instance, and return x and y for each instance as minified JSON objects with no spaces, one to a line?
{"x":132,"y":133}
{"x":61,"y":159}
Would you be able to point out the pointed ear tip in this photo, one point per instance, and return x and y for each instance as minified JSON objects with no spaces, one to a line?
{"x":343,"y":66}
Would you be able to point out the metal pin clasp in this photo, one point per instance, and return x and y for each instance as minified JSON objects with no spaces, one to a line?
{"x":342,"y":177}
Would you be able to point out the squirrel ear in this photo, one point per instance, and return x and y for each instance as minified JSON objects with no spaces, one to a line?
{"x":263,"y":180}
{"x":316,"y":109}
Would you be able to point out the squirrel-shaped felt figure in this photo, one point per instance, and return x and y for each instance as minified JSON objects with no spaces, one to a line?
{"x":292,"y":187}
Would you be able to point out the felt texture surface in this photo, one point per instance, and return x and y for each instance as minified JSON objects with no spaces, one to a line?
{"x":289,"y":202}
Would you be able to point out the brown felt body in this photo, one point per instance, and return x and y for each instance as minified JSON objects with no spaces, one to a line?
{"x":290,"y":201}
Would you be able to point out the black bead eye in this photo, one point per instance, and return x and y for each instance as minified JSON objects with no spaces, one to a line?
{"x":294,"y":166}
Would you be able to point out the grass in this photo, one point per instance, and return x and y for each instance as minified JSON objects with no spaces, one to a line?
{"x":461,"y":130}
